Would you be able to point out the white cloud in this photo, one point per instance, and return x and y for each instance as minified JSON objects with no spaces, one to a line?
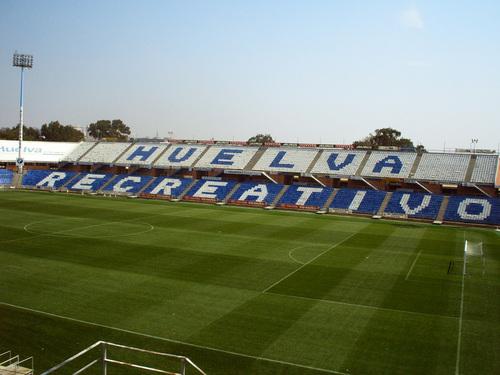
{"x":411,"y":18}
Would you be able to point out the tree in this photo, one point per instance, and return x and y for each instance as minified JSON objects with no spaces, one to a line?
{"x":261,"y":138}
{"x":115,"y":130}
{"x":56,"y":132}
{"x":386,"y":137}
{"x":29,"y":133}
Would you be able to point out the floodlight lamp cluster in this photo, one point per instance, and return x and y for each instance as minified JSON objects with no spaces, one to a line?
{"x":23,"y":61}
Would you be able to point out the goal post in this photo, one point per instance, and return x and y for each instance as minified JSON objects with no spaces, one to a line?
{"x":474,"y":260}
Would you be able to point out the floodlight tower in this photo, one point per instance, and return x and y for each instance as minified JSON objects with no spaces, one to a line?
{"x":21,"y":61}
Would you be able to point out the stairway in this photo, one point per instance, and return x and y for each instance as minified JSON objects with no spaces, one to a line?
{"x":147,"y":185}
{"x":280,"y":194}
{"x":313,"y":163}
{"x":363,"y":163}
{"x":181,"y":195}
{"x":230,"y":194}
{"x":255,"y":158}
{"x":470,"y":168}
{"x":415,"y":165}
{"x":442,"y":210}
{"x":329,"y":200}
{"x":384,"y":204}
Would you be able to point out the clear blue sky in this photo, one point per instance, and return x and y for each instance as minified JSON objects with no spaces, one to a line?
{"x":329,"y":71}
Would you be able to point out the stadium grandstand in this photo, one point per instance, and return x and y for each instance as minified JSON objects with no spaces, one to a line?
{"x":440,"y":187}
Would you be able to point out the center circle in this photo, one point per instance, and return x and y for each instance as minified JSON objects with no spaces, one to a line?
{"x":86,"y":227}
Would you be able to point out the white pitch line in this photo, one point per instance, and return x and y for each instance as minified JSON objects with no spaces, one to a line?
{"x":173,"y":340}
{"x":292,"y":257}
{"x":459,"y":339}
{"x":333,"y":302}
{"x":413,"y":264}
{"x":308,"y":262}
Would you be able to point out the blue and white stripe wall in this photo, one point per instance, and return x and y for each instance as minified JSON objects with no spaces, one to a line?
{"x":416,"y":205}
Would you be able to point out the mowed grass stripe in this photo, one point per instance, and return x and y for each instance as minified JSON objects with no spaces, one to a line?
{"x":172,"y":340}
{"x":204,"y":286}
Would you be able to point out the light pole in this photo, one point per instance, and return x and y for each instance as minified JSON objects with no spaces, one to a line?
{"x":474,"y":143}
{"x":21,"y":61}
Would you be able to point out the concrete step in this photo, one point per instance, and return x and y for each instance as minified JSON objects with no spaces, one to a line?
{"x":329,"y":200}
{"x":442,"y":209}
{"x":233,"y":190}
{"x":363,"y":163}
{"x":280,"y":194}
{"x":470,"y":168}
{"x":384,"y":204}
{"x":255,"y":158}
{"x":415,"y":165}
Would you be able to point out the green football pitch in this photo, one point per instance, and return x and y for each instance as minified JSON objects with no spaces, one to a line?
{"x":246,"y":291}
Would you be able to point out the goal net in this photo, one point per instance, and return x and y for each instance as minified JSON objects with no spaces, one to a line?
{"x":474,"y":258}
{"x":472,"y":263}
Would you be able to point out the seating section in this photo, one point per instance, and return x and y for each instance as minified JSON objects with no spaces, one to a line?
{"x":443,"y":167}
{"x":473,"y":210}
{"x":314,"y":197}
{"x":6,"y":176}
{"x":168,"y":186}
{"x":360,"y":201}
{"x":389,"y":164}
{"x":128,"y":184}
{"x":285,"y":160}
{"x":210,"y":189}
{"x":226,"y":157}
{"x":338,"y":162}
{"x":78,"y":152}
{"x":259,"y":193}
{"x":180,"y":156}
{"x":90,"y":181}
{"x":418,"y":205}
{"x":485,"y":169}
{"x":47,"y":178}
{"x":104,"y":153}
{"x":143,"y":154}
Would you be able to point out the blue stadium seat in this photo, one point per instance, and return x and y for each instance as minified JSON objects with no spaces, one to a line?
{"x":418,"y":205}
{"x":47,"y":178}
{"x":90,"y":181}
{"x":305,"y":196}
{"x":361,"y":201}
{"x":211,"y":189}
{"x":168,"y":186}
{"x":473,"y":210}
{"x":254,"y":192}
{"x":125,"y":183}
{"x":6,"y":176}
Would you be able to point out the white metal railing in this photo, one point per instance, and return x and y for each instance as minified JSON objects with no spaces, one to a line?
{"x":103,"y":360}
{"x":14,"y":365}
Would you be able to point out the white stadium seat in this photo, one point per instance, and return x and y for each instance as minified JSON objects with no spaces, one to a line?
{"x":141,"y":154}
{"x":227,"y":157}
{"x":180,"y":156}
{"x":442,"y":167}
{"x":338,"y":162}
{"x":77,"y":153}
{"x":286,"y":160}
{"x":389,"y":164}
{"x":105,"y":152}
{"x":485,"y":169}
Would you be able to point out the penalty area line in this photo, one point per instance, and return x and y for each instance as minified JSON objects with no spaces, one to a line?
{"x":413,"y":264}
{"x":308,"y":262}
{"x":173,"y":341}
